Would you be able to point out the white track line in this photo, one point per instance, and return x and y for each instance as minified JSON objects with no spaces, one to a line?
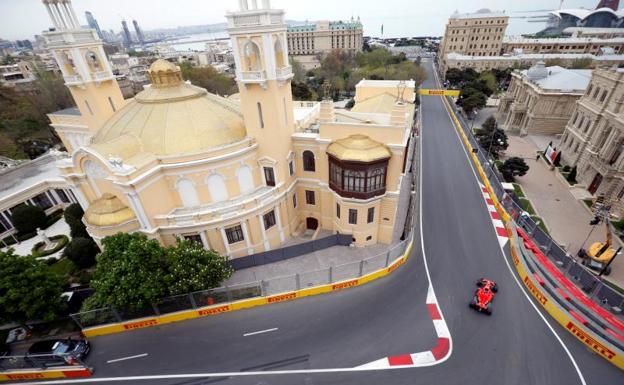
{"x":522,"y":288}
{"x":259,"y":332}
{"x":127,"y":358}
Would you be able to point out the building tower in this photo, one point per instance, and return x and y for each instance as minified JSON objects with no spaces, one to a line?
{"x":139,"y":32}
{"x":80,"y":55}
{"x":93,"y":24}
{"x":258,"y":36}
{"x":126,"y":33}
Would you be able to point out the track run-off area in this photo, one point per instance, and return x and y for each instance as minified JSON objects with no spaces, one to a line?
{"x":344,"y":337}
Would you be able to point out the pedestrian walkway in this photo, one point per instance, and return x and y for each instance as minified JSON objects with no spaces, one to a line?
{"x":566,"y":217}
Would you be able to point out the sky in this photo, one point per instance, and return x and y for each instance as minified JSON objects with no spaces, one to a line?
{"x":21,"y":19}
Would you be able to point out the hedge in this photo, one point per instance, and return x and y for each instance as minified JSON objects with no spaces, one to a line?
{"x":63,"y":240}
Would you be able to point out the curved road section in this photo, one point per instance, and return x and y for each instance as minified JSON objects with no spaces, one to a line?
{"x":517,"y":344}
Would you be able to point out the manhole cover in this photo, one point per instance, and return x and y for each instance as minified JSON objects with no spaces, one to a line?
{"x":557,"y":200}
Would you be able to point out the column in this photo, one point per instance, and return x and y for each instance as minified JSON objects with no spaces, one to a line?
{"x":6,"y":217}
{"x":69,"y":21}
{"x":52,"y":16}
{"x":279,"y":222}
{"x":250,"y":249}
{"x":265,"y":241}
{"x":254,"y":4}
{"x":243,"y":5}
{"x":204,"y":239}
{"x":266,"y":4}
{"x":52,"y":199}
{"x":226,"y":244}
{"x":56,"y":196}
{"x":73,"y":14}
{"x":137,"y":207}
{"x":59,"y":17}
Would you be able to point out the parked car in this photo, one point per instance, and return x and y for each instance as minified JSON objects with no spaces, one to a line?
{"x":58,"y":351}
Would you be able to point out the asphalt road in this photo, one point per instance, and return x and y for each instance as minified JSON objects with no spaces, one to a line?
{"x":513,"y":346}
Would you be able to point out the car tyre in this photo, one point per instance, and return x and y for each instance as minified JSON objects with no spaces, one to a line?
{"x":495,"y":288}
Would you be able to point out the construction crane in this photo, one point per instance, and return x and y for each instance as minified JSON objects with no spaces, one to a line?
{"x":600,"y":254}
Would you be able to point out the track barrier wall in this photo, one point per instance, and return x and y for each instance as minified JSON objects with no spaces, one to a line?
{"x":31,"y":374}
{"x":554,"y":302}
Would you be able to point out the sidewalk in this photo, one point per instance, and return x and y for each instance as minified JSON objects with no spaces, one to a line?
{"x":566,"y":217}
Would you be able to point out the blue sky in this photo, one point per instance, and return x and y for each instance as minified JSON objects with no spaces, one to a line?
{"x":20,"y":19}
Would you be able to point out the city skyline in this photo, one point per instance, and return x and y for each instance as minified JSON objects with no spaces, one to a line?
{"x":110,"y":14}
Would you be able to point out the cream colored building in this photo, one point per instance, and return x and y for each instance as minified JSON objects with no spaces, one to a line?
{"x":566,"y":45}
{"x":541,"y":99}
{"x":474,"y":34}
{"x":594,"y":138}
{"x":243,"y":175}
{"x":525,"y":60}
{"x":311,"y":41}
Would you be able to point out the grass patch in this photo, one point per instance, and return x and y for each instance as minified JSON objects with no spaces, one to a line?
{"x":540,"y":224}
{"x":518,"y":190}
{"x":619,"y":225}
{"x":63,"y":267}
{"x":527,"y":206}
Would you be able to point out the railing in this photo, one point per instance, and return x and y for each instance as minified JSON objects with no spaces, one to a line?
{"x":101,"y":75}
{"x":253,"y":76}
{"x":72,"y":79}
{"x":39,"y":361}
{"x":284,"y":72}
{"x":237,"y":292}
{"x":579,"y":274}
{"x":257,"y":17}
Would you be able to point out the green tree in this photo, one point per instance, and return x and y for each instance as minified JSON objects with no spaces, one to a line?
{"x":299,"y":73}
{"x":191,"y":268}
{"x":491,"y":138}
{"x":454,"y":76}
{"x":208,"y":78}
{"x":471,"y":99}
{"x":82,"y":252}
{"x":301,"y":91}
{"x":490,"y":81}
{"x":129,"y":273}
{"x":512,"y":168}
{"x":73,"y":216}
{"x":27,"y":218}
{"x":29,"y":290}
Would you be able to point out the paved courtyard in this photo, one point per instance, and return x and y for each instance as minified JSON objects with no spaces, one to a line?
{"x":25,"y":247}
{"x":566,"y":217}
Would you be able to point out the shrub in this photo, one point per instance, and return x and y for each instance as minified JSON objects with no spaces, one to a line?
{"x":62,"y":242}
{"x":350,"y":104}
{"x":53,"y":218}
{"x":24,"y":237}
{"x":27,"y":218}
{"x":73,"y":217}
{"x":566,"y":168}
{"x":512,"y":168}
{"x":82,"y":252}
{"x":571,"y":178}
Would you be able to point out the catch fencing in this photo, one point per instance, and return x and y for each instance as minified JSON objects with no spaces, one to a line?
{"x":579,"y":274}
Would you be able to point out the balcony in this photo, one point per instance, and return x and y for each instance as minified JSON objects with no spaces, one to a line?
{"x":255,"y":17}
{"x":100,"y":76}
{"x":73,"y":80}
{"x":252,"y":77}
{"x":284,"y":73}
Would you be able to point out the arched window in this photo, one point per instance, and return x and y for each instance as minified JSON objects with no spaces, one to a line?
{"x":308,"y":161}
{"x":279,"y":54}
{"x":188,"y":195}
{"x":93,"y":61}
{"x":217,"y":188}
{"x":251,"y":57}
{"x":245,"y":179}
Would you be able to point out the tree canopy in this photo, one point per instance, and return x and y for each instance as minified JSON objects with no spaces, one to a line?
{"x":29,"y":290}
{"x":28,"y":218}
{"x":512,"y":168}
{"x":209,"y":78}
{"x":491,"y":138}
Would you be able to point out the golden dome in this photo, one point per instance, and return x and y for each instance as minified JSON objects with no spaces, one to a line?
{"x":163,"y":65}
{"x":358,"y":148}
{"x":108,"y":210}
{"x":171,"y":119}
{"x":164,"y":74}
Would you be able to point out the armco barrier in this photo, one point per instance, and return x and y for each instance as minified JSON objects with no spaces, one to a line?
{"x":247,"y":303}
{"x":572,"y":324}
{"x":64,"y":372}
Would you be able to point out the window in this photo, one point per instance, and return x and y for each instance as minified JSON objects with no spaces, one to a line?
{"x":217,"y":188}
{"x":196,"y":238}
{"x":371,"y":215}
{"x":291,"y":167}
{"x":188,"y":195}
{"x":5,"y":225}
{"x":62,"y":195}
{"x":308,"y":161}
{"x":295,"y":200}
{"x":234,"y":234}
{"x":269,"y":176}
{"x":110,"y":101}
{"x":603,"y":96}
{"x":337,"y":210}
{"x":269,"y":219}
{"x":42,"y":201}
{"x":353,"y":216}
{"x":310,"y":198}
{"x":260,"y":118}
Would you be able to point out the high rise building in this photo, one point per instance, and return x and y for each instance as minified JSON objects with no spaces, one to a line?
{"x":139,"y":33}
{"x":93,"y":24}
{"x":126,"y":33}
{"x":473,"y":34}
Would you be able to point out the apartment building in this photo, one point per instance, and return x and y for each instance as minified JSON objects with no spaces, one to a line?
{"x":474,"y":34}
{"x":594,"y":137}
{"x":308,"y":42}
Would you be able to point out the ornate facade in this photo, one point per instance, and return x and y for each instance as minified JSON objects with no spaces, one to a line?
{"x":594,"y":138}
{"x":240,"y":177}
{"x":541,"y":99}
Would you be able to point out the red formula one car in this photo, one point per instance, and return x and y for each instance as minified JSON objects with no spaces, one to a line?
{"x":484,"y":296}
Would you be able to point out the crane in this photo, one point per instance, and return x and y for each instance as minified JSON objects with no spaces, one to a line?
{"x":600,"y":254}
